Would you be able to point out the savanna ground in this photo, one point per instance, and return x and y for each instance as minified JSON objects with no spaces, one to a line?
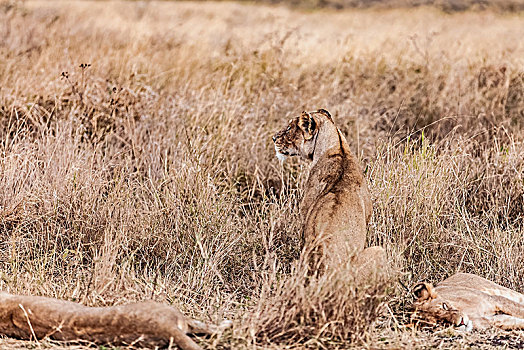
{"x":136,"y":160}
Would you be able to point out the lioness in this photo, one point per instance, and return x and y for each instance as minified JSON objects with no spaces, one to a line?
{"x":146,"y":324}
{"x":469,"y":302}
{"x":336,"y":206}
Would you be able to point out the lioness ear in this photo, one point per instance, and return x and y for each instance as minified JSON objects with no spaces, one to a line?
{"x":307,"y":124}
{"x":424,"y":291}
{"x":326,"y":113}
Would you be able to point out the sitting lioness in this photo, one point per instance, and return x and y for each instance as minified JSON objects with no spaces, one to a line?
{"x":469,"y":302}
{"x":145,"y":324}
{"x":336,"y":206}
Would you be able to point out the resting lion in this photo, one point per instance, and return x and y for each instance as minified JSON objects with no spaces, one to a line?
{"x":469,"y":302}
{"x":145,"y":324}
{"x":336,"y":206}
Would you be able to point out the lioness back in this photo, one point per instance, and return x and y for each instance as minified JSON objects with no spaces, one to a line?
{"x":336,"y":204}
{"x":468,"y":280}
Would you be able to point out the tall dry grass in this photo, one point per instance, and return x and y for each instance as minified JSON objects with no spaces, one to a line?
{"x":136,"y":160}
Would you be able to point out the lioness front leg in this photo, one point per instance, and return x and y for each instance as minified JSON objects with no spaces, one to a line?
{"x":507,"y":322}
{"x":508,"y":306}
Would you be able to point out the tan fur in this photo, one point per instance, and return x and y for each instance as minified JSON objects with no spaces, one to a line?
{"x":470,"y":302}
{"x":146,"y":324}
{"x":336,"y":206}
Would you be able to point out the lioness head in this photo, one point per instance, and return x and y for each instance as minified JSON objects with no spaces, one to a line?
{"x":430,"y":307}
{"x":299,"y":136}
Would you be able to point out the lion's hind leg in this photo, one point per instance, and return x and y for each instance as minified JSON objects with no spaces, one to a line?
{"x":370,"y":264}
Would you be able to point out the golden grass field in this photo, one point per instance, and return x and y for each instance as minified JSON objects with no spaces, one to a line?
{"x":136,"y":160}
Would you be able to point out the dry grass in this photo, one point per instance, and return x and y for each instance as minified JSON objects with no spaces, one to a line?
{"x":150,"y":173}
{"x":445,"y":5}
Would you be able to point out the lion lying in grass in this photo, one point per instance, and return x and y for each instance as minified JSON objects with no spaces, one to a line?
{"x":146,"y":324}
{"x":469,"y":302}
{"x":336,"y":206}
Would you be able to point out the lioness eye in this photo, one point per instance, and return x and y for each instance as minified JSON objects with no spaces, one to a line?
{"x":445,"y":306}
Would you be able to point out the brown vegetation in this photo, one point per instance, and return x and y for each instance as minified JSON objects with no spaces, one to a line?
{"x":136,"y":159}
{"x":445,"y":5}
